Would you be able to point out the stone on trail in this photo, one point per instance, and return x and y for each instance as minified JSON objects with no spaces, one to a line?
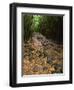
{"x":41,"y":56}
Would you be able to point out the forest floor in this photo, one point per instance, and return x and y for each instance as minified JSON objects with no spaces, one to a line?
{"x":42,"y":56}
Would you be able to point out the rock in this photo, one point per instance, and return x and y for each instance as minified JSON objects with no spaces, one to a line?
{"x":40,"y":39}
{"x":45,"y":60}
{"x":49,"y":59}
{"x":45,"y":68}
{"x":52,"y":69}
{"x":41,"y":56}
{"x":58,"y":68}
{"x":37,"y":68}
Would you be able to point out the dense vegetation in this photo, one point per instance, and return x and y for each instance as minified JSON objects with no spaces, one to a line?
{"x":50,"y":26}
{"x":43,"y":44}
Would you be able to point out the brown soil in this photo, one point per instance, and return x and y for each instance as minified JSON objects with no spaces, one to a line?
{"x":42,"y":57}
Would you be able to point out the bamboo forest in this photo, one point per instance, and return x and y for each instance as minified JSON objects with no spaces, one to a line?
{"x":42,"y":44}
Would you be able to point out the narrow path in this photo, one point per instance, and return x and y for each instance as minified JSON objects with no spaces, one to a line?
{"x":42,"y":56}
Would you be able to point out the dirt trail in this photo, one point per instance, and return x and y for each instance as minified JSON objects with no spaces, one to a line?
{"x":42,"y":56}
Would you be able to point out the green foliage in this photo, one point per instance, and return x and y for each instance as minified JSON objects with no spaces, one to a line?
{"x":50,"y":26}
{"x":36,"y":22}
{"x":27,"y":26}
